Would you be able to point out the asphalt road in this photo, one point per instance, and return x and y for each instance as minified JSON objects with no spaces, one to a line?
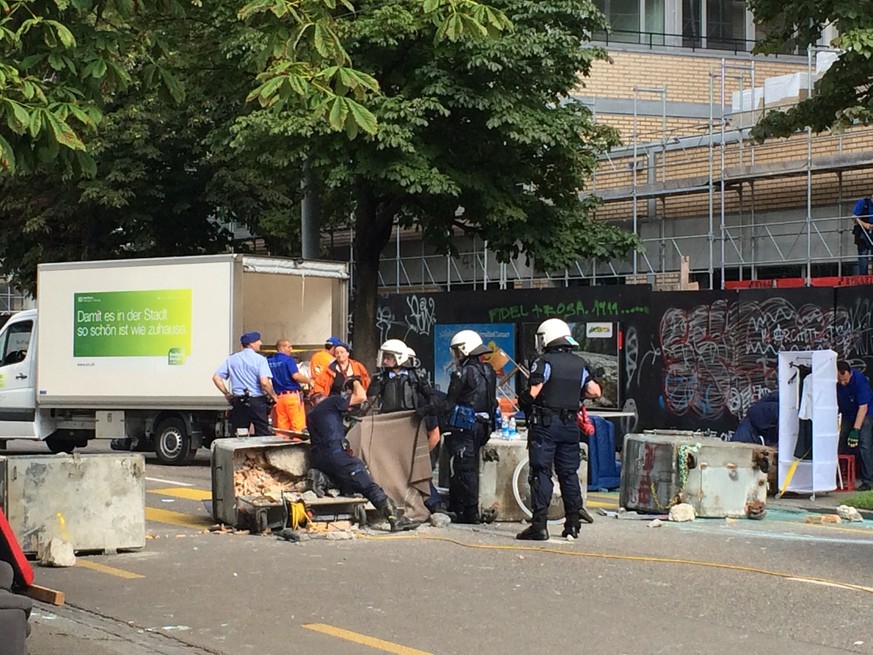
{"x":713,"y":586}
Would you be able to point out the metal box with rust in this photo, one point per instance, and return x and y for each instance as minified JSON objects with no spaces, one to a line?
{"x":504,"y":490}
{"x":254,"y":467}
{"x":719,"y":479}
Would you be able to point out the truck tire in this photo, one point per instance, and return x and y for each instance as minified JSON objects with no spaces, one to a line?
{"x":173,"y":443}
{"x":59,"y":444}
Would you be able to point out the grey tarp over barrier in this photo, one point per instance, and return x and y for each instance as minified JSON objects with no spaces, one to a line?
{"x":394,"y":447}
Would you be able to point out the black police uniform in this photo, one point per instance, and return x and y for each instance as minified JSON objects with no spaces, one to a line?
{"x":326,"y":432}
{"x":399,"y":391}
{"x":472,"y":391}
{"x":554,"y":437}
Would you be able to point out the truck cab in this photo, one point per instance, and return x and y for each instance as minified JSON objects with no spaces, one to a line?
{"x":19,"y":418}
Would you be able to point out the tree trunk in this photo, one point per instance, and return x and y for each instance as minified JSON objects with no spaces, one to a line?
{"x":373,"y":223}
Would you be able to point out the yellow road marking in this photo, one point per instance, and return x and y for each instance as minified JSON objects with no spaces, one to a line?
{"x":364,"y":640}
{"x":177,"y":518}
{"x":102,"y":568}
{"x":183,"y":492}
{"x":596,"y":503}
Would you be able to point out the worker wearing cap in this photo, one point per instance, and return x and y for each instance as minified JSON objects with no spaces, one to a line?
{"x":290,"y":414}
{"x":331,"y":381}
{"x":246,"y":381}
{"x":322,"y":359}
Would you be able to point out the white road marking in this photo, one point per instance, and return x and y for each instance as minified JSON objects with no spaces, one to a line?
{"x":181,"y":484}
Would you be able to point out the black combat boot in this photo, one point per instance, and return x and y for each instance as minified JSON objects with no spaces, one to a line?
{"x":398,"y":523}
{"x":537,"y":530}
{"x":573,"y":522}
{"x":572,"y":525}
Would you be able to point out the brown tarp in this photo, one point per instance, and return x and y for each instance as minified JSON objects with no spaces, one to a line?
{"x":394,"y":447}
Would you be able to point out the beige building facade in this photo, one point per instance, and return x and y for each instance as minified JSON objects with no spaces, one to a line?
{"x":683,"y":89}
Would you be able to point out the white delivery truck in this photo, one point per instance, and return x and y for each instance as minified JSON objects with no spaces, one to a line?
{"x":127,"y":349}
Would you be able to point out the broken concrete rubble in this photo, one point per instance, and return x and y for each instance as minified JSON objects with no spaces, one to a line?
{"x":56,"y":552}
{"x":849,"y":513}
{"x":256,"y":476}
{"x":682,"y":512}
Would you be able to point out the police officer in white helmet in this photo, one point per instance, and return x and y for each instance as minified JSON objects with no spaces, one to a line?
{"x":558,"y":381}
{"x":471,"y":403}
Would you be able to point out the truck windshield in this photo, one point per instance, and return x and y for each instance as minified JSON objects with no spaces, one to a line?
{"x":15,"y":341}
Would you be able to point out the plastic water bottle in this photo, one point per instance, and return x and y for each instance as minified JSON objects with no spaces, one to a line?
{"x":513,"y":432}
{"x":504,"y":428}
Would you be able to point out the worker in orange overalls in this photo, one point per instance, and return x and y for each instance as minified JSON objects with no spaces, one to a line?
{"x":287,"y":380}
{"x":322,"y":359}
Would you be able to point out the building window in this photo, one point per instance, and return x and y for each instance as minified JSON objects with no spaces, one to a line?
{"x":715,"y":25}
{"x":627,"y":25}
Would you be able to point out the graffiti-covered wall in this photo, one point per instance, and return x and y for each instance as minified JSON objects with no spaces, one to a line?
{"x":688,"y":360}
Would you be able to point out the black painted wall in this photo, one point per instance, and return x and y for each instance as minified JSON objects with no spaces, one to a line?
{"x":690,"y":360}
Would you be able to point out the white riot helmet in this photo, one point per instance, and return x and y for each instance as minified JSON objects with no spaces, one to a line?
{"x":467,"y":343}
{"x":413,"y":361}
{"x":396,"y":348}
{"x":553,"y":332}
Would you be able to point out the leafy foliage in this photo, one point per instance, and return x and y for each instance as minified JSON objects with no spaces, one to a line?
{"x":478,"y":135}
{"x":442,"y":114}
{"x":842,"y":96}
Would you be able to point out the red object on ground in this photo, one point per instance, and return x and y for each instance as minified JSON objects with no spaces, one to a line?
{"x":11,"y":552}
{"x":847,"y":472}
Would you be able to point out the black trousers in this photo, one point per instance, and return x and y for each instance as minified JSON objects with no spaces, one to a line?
{"x":555,"y":447}
{"x":464,"y":447}
{"x":250,"y":411}
{"x":349,"y":473}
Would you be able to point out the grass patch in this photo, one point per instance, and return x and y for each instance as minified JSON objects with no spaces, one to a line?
{"x":863,"y":500}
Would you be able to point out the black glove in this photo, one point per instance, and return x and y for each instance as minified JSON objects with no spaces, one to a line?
{"x":525,"y":400}
{"x":425,"y":410}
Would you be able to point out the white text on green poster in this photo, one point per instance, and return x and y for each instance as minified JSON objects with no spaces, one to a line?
{"x":133,"y":324}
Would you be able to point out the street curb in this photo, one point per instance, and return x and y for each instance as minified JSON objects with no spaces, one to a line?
{"x":819,"y":509}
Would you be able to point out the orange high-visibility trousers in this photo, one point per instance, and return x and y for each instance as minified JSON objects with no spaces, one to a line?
{"x":290,"y":414}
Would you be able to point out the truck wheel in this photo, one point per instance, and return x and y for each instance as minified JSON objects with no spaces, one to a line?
{"x":58,"y":444}
{"x":173,"y":443}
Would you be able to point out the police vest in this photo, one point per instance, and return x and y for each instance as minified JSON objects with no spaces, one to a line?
{"x":398,"y":392}
{"x":563,"y":389}
{"x":478,"y":386}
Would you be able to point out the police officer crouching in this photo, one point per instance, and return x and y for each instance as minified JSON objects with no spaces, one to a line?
{"x":558,"y":381}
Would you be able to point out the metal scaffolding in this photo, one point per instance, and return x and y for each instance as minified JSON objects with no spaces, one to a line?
{"x":723,"y":160}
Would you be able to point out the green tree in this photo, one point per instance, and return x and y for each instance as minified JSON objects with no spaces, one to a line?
{"x":478,"y":135}
{"x":844,"y":94}
{"x":162,"y":179}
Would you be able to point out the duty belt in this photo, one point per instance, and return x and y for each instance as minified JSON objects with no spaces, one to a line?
{"x":563,"y":414}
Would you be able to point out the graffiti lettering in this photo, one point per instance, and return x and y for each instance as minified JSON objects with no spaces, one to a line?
{"x":501,"y":314}
{"x":421,"y":315}
{"x":565,"y":310}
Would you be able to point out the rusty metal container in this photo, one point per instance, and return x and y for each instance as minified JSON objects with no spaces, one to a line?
{"x":719,"y":479}
{"x":504,"y":492}
{"x":288,"y":459}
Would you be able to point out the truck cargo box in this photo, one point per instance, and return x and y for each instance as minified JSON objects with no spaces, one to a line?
{"x":719,"y":479}
{"x":149,"y":333}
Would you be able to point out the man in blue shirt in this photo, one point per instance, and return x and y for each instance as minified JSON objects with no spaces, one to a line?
{"x":329,"y":455}
{"x":863,"y":213}
{"x":856,"y":428}
{"x":761,"y":423}
{"x":290,"y":415}
{"x":245,"y":380}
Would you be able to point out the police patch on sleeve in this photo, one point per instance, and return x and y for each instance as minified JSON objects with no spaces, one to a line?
{"x":533,"y":367}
